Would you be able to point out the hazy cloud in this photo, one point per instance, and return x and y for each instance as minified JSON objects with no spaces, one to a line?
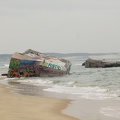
{"x":60,"y":25}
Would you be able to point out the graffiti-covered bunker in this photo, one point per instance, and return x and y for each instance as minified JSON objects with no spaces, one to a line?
{"x":32,"y":64}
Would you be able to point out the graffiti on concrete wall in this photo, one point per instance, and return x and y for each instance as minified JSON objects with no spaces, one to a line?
{"x":32,"y":68}
{"x":13,"y":68}
{"x":54,"y":66}
{"x":28,"y":63}
{"x":29,"y":68}
{"x":50,"y":65}
{"x":23,"y":68}
{"x":14,"y":63}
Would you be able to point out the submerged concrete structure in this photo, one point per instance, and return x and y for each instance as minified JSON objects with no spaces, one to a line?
{"x":32,"y":64}
{"x":91,"y":63}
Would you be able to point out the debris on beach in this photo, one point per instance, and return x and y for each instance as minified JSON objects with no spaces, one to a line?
{"x":33,"y":64}
{"x":91,"y":63}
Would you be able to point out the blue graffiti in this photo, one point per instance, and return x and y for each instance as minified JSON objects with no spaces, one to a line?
{"x":54,"y":66}
{"x":27,"y":62}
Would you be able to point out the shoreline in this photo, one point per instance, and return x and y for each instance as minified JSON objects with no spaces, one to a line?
{"x":26,"y":107}
{"x":31,"y":102}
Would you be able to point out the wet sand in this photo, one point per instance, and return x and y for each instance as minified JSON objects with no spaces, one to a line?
{"x":86,"y":109}
{"x":26,"y":107}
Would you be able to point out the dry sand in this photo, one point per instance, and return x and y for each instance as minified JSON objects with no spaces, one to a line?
{"x":25,"y":107}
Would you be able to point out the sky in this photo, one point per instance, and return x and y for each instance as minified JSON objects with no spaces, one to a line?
{"x":61,"y":26}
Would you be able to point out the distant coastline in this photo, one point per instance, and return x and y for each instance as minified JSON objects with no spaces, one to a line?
{"x":78,"y":54}
{"x":69,"y":54}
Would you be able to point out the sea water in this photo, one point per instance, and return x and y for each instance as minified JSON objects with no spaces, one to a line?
{"x":96,"y":84}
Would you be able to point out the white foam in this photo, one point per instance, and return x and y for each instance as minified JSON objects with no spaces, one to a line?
{"x":78,"y":64}
{"x":6,"y":65}
{"x":84,"y":92}
{"x":111,"y":111}
{"x":37,"y":82}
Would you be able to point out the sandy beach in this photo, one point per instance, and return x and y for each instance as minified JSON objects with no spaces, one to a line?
{"x":25,"y":107}
{"x":25,"y":101}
